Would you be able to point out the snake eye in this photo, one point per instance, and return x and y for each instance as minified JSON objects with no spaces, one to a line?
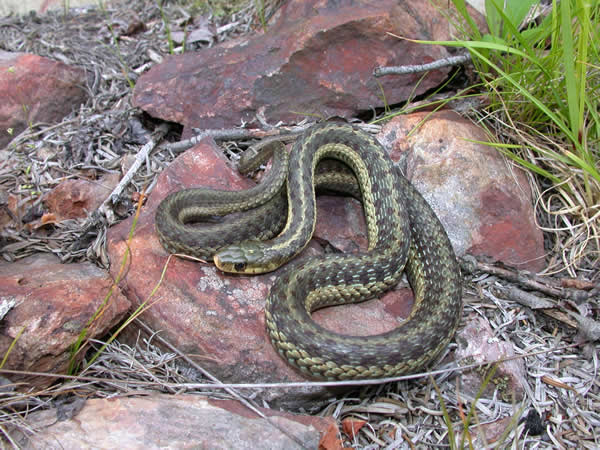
{"x":239,"y":267}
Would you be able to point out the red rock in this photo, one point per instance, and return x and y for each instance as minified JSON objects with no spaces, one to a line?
{"x":221,"y":317}
{"x":483,"y":201}
{"x":315,"y":58}
{"x":487,"y":434}
{"x":36,"y":89}
{"x":175,"y":421}
{"x":77,"y":198}
{"x":53,"y":303}
{"x":477,"y":343}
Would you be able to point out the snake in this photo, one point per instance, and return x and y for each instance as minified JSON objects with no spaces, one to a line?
{"x":273,"y":222}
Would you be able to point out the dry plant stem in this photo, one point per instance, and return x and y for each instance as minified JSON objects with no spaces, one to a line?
{"x":9,"y":438}
{"x":588,"y":327}
{"x":551,"y":309}
{"x":528,"y":299}
{"x":231,"y":391}
{"x":284,"y":134}
{"x":401,"y":70}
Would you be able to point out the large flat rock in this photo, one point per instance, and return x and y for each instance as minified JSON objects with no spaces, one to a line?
{"x":315,"y":58}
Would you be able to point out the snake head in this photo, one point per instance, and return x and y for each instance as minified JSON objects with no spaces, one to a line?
{"x":247,"y":257}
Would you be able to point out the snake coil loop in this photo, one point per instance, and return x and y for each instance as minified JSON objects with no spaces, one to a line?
{"x":404,"y":235}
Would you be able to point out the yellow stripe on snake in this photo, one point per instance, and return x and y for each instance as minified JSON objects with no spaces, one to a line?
{"x":404,"y":234}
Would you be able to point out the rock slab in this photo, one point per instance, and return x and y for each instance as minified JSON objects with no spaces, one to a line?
{"x":173,"y":421}
{"x":317,"y":57}
{"x":36,"y":89}
{"x":483,"y":200}
{"x":78,"y":198}
{"x":49,"y":304}
{"x":477,"y":343}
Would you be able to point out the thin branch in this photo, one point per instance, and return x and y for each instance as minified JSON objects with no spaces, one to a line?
{"x":589,"y":327}
{"x":401,"y":70}
{"x":140,"y":158}
{"x":583,"y":291}
{"x":232,"y":134}
{"x":546,"y":285}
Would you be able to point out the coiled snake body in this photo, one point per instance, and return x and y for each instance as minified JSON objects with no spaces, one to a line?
{"x":404,"y":234}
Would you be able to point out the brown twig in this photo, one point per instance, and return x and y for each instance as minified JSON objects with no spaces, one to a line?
{"x":549,"y":286}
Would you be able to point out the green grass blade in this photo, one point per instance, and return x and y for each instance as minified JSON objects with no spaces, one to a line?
{"x":11,"y":346}
{"x":445,"y":415}
{"x":517,"y":10}
{"x":537,"y":36}
{"x":526,"y":44}
{"x":493,"y":18}
{"x":82,"y":338}
{"x":512,"y":425}
{"x":506,"y":16}
{"x":525,"y":92}
{"x":582,"y":55}
{"x":530,"y":166}
{"x":568,"y":53}
{"x":478,"y":45}
{"x":556,"y":117}
{"x":507,"y":150}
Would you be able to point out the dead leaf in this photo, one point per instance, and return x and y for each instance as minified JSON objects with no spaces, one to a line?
{"x":330,"y":440}
{"x":352,"y":426}
{"x":48,"y":218}
{"x":559,"y":384}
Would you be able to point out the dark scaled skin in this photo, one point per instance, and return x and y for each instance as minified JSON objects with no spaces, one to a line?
{"x":404,"y":234}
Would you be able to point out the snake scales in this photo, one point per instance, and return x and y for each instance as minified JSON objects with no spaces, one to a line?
{"x":404,"y":234}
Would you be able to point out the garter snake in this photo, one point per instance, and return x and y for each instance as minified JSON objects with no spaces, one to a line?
{"x":403,"y":232}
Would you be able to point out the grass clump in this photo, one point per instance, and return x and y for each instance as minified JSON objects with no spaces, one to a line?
{"x":540,"y":69}
{"x":543,"y":81}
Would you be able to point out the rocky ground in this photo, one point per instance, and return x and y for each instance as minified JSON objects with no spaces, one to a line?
{"x":101,"y":123}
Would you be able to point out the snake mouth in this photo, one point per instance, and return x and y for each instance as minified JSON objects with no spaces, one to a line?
{"x":244,"y":258}
{"x":229,"y":266}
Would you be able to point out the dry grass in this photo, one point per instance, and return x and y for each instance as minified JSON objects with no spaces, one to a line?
{"x":568,"y":217}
